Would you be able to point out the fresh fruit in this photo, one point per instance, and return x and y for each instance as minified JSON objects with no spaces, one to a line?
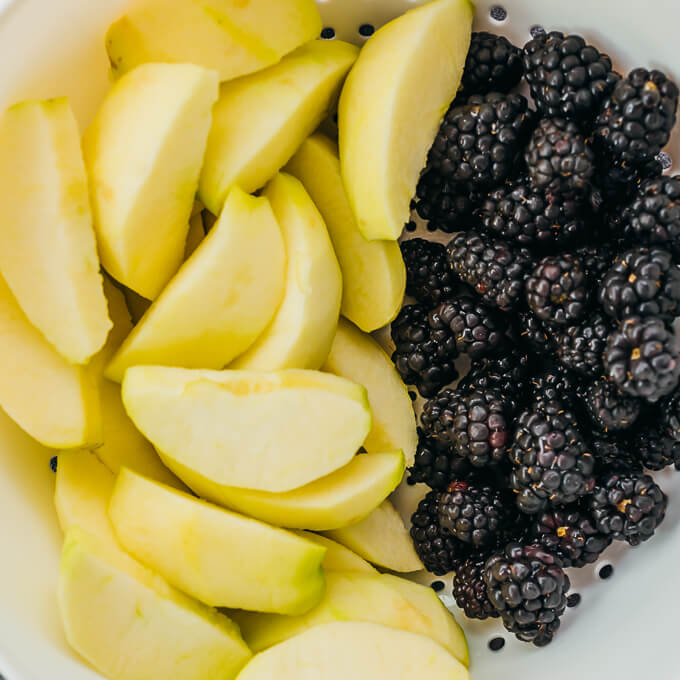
{"x":372,"y":271}
{"x":384,"y":138}
{"x":429,"y":278}
{"x":445,"y":204}
{"x":338,"y":558}
{"x":608,"y":408}
{"x":469,"y":589}
{"x":48,"y":255}
{"x":131,"y":625}
{"x":436,"y":463}
{"x":195,"y":236}
{"x":192,"y":544}
{"x":361,"y":651}
{"x":231,"y":38}
{"x":302,"y":331}
{"x":655,"y":451}
{"x":261,"y":119}
{"x":143,"y":154}
{"x":580,"y":347}
{"x":380,"y":538}
{"x":267,"y":431}
{"x":221,"y":299}
{"x":358,"y":357}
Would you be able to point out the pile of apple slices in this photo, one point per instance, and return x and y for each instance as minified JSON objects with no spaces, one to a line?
{"x":186,"y":297}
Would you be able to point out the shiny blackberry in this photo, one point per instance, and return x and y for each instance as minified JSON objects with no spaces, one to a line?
{"x":469,"y":589}
{"x":596,"y":261}
{"x":670,"y":415}
{"x":655,"y":450}
{"x":445,"y":204}
{"x":533,"y":333}
{"x":614,"y":452}
{"x":429,"y":278}
{"x":608,"y":408}
{"x":436,"y":465}
{"x":580,"y":347}
{"x":553,"y":384}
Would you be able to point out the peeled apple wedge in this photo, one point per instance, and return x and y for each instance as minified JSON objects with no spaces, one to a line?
{"x":48,"y":254}
{"x":267,"y":431}
{"x":260,"y":120}
{"x":358,"y":357}
{"x":391,"y":106}
{"x":233,"y":38}
{"x":143,"y":154}
{"x":373,"y":272}
{"x":338,"y":558}
{"x":301,"y":333}
{"x":220,"y":558}
{"x":356,"y":650}
{"x":382,"y":539}
{"x":344,"y":497}
{"x":221,"y":299}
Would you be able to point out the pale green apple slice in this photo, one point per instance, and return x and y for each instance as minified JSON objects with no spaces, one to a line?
{"x":373,"y":272}
{"x":48,"y":254}
{"x":268,"y":431}
{"x":382,"y":539}
{"x":339,"y":558}
{"x":358,"y":357}
{"x":356,"y":650}
{"x":219,"y":557}
{"x":143,"y":154}
{"x":391,"y":106}
{"x":303,"y":328}
{"x":234,"y":38}
{"x":195,"y":235}
{"x":221,"y":299}
{"x":260,"y":120}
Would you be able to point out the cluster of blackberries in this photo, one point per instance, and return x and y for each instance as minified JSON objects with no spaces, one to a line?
{"x":561,"y":284}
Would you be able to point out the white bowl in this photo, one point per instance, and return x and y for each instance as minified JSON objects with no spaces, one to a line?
{"x":624,"y":628}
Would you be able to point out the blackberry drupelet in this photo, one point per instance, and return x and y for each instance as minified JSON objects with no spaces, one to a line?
{"x":429,"y":278}
{"x":436,"y":465}
{"x":494,"y":269}
{"x":445,"y":204}
{"x":568,"y":78}
{"x":528,"y":587}
{"x":608,"y":408}
{"x":642,"y":358}
{"x":628,"y":507}
{"x":614,"y":453}
{"x":469,"y":589}
{"x":581,"y":347}
{"x":655,"y":450}
{"x":533,"y":333}
{"x":557,"y":290}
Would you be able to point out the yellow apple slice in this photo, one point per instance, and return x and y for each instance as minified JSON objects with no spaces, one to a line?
{"x":268,"y":431}
{"x":301,"y":333}
{"x":338,"y":558}
{"x":221,"y":299}
{"x":234,"y":38}
{"x":143,"y":154}
{"x":391,"y":107}
{"x":195,"y":236}
{"x":48,"y":254}
{"x":260,"y":120}
{"x":373,"y":272}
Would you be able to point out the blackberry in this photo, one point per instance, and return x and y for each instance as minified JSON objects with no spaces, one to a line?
{"x":553,"y":384}
{"x":556,"y":290}
{"x":596,"y":261}
{"x":494,"y":269}
{"x":635,"y":122}
{"x":618,"y":181}
{"x":474,"y":423}
{"x":479,"y":141}
{"x":469,"y":589}
{"x":643,"y":282}
{"x":642,"y":358}
{"x":552,"y":463}
{"x":436,"y":465}
{"x":429,"y":278}
{"x":628,"y":507}
{"x":568,"y":78}
{"x":655,"y":450}
{"x":528,"y":587}
{"x":581,"y":347}
{"x":569,"y":533}
{"x":533,"y":334}
{"x":613,"y":453}
{"x":445,"y":204}
{"x":670,"y":416}
{"x":608,"y":408}
{"x":423,"y":357}
{"x":559,"y":158}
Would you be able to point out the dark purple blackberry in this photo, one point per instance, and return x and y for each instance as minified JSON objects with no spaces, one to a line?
{"x":642,"y":282}
{"x":556,"y":290}
{"x":670,"y":416}
{"x":614,"y":453}
{"x":654,"y":448}
{"x":494,"y":269}
{"x":628,"y":507}
{"x":581,"y":347}
{"x":423,"y":357}
{"x":445,"y":204}
{"x":474,"y":423}
{"x":635,"y":122}
{"x":436,"y":465}
{"x":429,"y":278}
{"x":642,"y":358}
{"x":596,"y":261}
{"x":618,"y":182}
{"x":568,"y":78}
{"x":551,"y":461}
{"x":478,"y":142}
{"x":608,"y":408}
{"x":533,"y":333}
{"x":559,"y":158}
{"x":555,"y":383}
{"x":528,"y":587}
{"x":469,"y":589}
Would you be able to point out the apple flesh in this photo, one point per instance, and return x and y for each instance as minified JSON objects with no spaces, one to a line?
{"x":338,"y":558}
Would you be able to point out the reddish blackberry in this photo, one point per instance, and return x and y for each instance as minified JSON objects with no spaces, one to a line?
{"x":643,"y":282}
{"x":628,"y":507}
{"x":533,"y":333}
{"x":642,"y":358}
{"x":495,"y":270}
{"x":556,"y":290}
{"x":429,"y":278}
{"x":608,"y":408}
{"x":445,"y":204}
{"x":436,"y":465}
{"x":581,"y":347}
{"x":469,"y":589}
{"x":474,"y":423}
{"x":423,"y":357}
{"x":613,"y":453}
{"x":528,"y":587}
{"x":568,"y":78}
{"x":655,"y":450}
{"x":559,"y":158}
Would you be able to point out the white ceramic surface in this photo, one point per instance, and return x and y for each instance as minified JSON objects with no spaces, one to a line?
{"x":624,"y":629}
